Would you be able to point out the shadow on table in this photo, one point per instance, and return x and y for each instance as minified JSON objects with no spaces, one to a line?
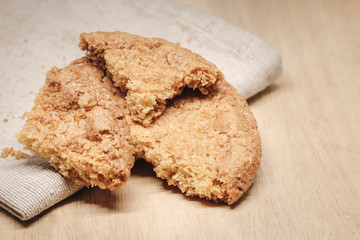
{"x":28,"y":223}
{"x":263,"y":93}
{"x":145,"y":169}
{"x":205,"y":202}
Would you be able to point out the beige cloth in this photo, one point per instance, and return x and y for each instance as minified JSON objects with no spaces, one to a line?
{"x":30,"y":186}
{"x":37,"y":35}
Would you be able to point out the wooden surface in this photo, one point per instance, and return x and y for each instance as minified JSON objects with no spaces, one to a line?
{"x":308,"y":182}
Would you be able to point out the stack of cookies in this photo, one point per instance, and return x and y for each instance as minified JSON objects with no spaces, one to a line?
{"x":134,"y":97}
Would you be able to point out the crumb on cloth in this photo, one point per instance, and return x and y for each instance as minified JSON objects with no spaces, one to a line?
{"x":6,"y":152}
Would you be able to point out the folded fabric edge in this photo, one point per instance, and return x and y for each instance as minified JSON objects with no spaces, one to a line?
{"x":27,"y":216}
{"x":275,"y":71}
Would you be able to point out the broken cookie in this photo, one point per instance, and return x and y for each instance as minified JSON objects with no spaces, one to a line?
{"x":77,"y":124}
{"x":149,"y":70}
{"x":208,"y":146}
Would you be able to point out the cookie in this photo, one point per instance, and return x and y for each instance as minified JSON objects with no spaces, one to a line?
{"x":208,"y":146}
{"x":149,"y":70}
{"x":77,"y":124}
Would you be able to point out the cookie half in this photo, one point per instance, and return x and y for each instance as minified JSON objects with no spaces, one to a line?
{"x":149,"y":70}
{"x":77,"y":124}
{"x":208,"y":146}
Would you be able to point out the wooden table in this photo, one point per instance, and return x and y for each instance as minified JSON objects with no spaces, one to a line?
{"x":308,"y":182}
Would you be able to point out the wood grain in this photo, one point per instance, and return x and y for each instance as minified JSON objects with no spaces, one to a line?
{"x":308,"y":182}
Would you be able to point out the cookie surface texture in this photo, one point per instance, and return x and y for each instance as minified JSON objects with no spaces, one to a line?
{"x":77,"y":124}
{"x":208,"y":146}
{"x":149,"y":70}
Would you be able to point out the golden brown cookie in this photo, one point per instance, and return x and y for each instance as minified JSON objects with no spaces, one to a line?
{"x":208,"y":146}
{"x":149,"y":70}
{"x":77,"y":124}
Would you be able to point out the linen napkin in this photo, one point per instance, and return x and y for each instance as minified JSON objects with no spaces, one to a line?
{"x":37,"y":35}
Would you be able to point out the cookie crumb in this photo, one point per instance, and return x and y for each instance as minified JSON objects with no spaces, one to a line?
{"x":6,"y":152}
{"x":5,"y":120}
{"x":24,"y":116}
{"x":21,"y":155}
